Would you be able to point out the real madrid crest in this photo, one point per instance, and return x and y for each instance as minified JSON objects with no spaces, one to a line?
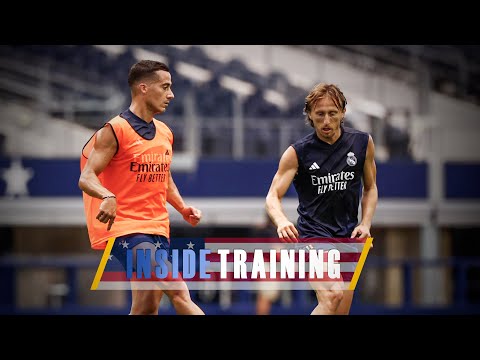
{"x":351,"y":159}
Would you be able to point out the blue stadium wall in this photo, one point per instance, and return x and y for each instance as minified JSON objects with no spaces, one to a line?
{"x":251,"y":178}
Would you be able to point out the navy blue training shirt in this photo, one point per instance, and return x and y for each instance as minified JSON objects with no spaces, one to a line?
{"x":329,"y":183}
{"x":141,"y":127}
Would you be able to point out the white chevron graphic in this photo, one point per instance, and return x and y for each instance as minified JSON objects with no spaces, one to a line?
{"x":314,"y":166}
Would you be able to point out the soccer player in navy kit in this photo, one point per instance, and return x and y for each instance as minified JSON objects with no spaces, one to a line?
{"x":328,"y":168}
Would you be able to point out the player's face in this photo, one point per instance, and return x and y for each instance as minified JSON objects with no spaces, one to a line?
{"x":160,"y":92}
{"x":326,"y":119}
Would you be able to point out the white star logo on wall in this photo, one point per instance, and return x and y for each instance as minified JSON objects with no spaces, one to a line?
{"x":16,"y":177}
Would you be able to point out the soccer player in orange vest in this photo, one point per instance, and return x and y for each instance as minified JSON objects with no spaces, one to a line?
{"x":126,"y":183}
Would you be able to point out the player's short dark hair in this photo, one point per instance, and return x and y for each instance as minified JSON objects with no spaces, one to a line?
{"x":144,"y":69}
{"x":320,"y":91}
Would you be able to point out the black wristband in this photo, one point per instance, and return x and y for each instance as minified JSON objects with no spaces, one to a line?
{"x":108,"y":196}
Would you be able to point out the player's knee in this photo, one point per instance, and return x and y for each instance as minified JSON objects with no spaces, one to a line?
{"x":147,"y":307}
{"x":179,"y":298}
{"x":337,"y":296}
{"x":330,"y":298}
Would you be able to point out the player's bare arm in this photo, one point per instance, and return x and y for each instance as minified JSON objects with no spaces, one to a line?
{"x":283,"y":178}
{"x":189,"y":213}
{"x":101,"y":154}
{"x":370,"y":193}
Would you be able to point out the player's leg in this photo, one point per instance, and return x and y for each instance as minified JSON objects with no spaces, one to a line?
{"x":263,"y":304}
{"x":145,"y":302}
{"x":177,"y":291}
{"x":181,"y":300}
{"x":330,"y":293}
{"x":265,"y":299}
{"x":345,"y":303}
{"x":328,"y":298}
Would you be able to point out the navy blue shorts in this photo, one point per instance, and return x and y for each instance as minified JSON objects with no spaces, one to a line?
{"x":125,"y":242}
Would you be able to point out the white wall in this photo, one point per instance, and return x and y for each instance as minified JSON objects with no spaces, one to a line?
{"x":29,"y":134}
{"x":457,"y":121}
{"x":305,"y":69}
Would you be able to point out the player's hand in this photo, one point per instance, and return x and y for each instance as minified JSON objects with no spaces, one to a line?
{"x":107,"y":211}
{"x":191,"y":215}
{"x":361,"y":232}
{"x":287,"y":232}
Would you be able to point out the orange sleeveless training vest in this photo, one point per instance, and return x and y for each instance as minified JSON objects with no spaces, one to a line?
{"x":138,"y":175}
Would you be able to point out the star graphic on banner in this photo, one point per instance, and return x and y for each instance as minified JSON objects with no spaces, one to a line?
{"x":190,"y":245}
{"x":158,"y":245}
{"x":124,"y":244}
{"x":110,"y":257}
{"x":16,"y":177}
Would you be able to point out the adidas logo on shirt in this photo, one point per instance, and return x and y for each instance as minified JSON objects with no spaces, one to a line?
{"x":314,"y":166}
